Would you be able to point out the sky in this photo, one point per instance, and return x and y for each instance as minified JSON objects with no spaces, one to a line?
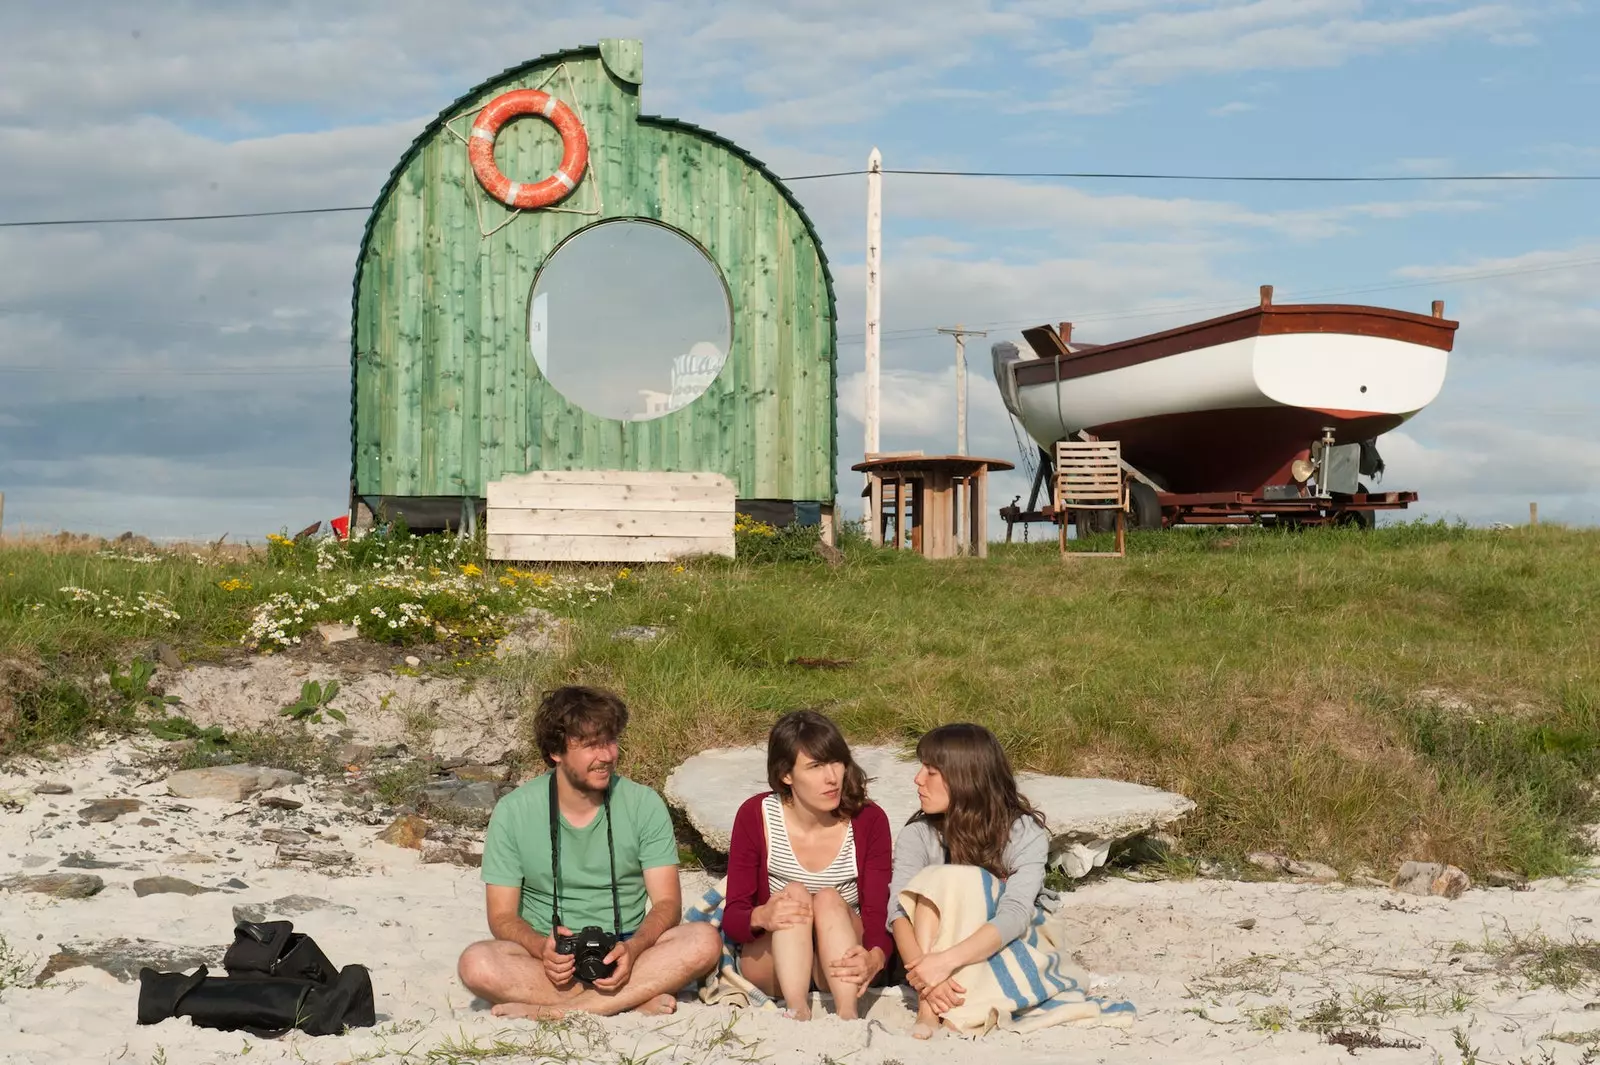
{"x":191,"y":379}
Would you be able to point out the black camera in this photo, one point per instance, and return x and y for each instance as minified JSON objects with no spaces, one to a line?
{"x":588,"y":949}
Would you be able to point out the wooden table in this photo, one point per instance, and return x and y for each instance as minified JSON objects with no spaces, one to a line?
{"x":941,"y":501}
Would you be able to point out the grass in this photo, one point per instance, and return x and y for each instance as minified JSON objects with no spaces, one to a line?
{"x":1566,"y":965}
{"x":15,"y":967}
{"x":1421,"y":691}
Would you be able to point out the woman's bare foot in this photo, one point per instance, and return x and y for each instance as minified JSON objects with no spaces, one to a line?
{"x":923,"y":1030}
{"x":659,"y":1006}
{"x":798,"y":1013}
{"x":528,"y":1011}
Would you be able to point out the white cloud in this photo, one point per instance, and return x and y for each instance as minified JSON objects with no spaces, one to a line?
{"x":1237,"y":107}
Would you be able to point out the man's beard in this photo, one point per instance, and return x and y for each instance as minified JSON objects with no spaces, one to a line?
{"x":580,"y":782}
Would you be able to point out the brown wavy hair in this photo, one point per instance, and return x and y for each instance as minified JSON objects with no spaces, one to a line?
{"x":984,"y":800}
{"x":819,"y":737}
{"x":577,"y":713}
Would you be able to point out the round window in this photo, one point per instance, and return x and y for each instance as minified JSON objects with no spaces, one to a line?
{"x":630,"y":320}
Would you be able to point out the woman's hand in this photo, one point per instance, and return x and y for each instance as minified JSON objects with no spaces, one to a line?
{"x":945,"y":997}
{"x":858,"y":966}
{"x":789,"y":908}
{"x":929,"y":971}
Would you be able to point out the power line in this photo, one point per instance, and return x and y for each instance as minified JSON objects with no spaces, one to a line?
{"x":1078,"y":175}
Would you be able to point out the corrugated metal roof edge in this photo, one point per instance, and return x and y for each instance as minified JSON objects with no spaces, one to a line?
{"x":587,"y":51}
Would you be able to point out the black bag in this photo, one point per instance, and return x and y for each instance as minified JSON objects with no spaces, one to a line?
{"x":267,"y":1004}
{"x":274,"y":948}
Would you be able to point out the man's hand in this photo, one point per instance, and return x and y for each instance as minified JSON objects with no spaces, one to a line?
{"x":558,"y":968}
{"x":929,"y":971}
{"x":622,"y":955}
{"x":858,"y":966}
{"x":945,"y":997}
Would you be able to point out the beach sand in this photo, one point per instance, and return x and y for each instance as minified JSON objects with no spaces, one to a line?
{"x":1207,"y":989}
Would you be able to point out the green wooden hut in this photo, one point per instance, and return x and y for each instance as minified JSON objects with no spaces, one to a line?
{"x":454,"y":383}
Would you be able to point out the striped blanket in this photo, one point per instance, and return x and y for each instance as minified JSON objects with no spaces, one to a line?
{"x":1023,"y":987}
{"x":725,"y":986}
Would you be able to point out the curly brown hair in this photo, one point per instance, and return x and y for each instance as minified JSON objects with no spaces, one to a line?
{"x":984,"y":800}
{"x":819,"y":737}
{"x":577,"y":713}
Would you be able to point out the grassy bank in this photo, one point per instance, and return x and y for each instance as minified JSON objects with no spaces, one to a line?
{"x":1416,"y":692}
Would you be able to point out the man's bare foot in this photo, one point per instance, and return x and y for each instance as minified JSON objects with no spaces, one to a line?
{"x":528,"y":1011}
{"x":659,"y":1006}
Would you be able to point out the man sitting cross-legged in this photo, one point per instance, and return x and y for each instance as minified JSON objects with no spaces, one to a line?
{"x":613,"y":849}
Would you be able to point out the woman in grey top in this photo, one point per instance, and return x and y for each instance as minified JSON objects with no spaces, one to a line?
{"x":972,"y":814}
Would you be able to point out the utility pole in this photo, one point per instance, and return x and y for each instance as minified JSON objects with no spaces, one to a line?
{"x":961,"y":336}
{"x":874,"y":294}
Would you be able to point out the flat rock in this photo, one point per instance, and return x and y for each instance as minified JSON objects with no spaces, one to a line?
{"x":535,"y":631}
{"x":52,"y":787}
{"x":481,"y":774}
{"x":407,"y":830}
{"x":1431,"y":878}
{"x":470,"y":796}
{"x":85,"y":860}
{"x":285,"y":835}
{"x":288,"y":852}
{"x":279,"y":802}
{"x":332,"y":632}
{"x":709,"y":787}
{"x":234,"y":783}
{"x":109,"y":809}
{"x":1312,"y":871}
{"x":289,"y":906}
{"x":644,"y":634}
{"x":192,"y":858}
{"x":167,"y":885}
{"x":168,"y":656}
{"x":123,"y":958}
{"x":58,"y":885}
{"x":354,"y":753}
{"x":454,"y":853}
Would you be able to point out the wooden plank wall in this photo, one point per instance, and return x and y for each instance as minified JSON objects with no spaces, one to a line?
{"x":609,"y":516}
{"x":447,"y":397}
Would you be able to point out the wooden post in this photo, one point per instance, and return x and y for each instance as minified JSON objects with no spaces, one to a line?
{"x":1533,"y":513}
{"x":874,"y":294}
{"x":875,"y":509}
{"x":902,"y":505}
{"x":961,"y":381}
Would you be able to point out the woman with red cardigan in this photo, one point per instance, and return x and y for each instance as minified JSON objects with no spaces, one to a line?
{"x":808,"y":872}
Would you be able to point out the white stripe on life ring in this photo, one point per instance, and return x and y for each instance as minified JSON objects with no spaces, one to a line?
{"x":512,"y":193}
{"x":561,"y":176}
{"x":549,"y":106}
{"x":482,"y":134}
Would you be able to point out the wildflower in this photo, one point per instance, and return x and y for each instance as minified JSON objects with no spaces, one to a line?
{"x":470,"y":570}
{"x":678,"y":568}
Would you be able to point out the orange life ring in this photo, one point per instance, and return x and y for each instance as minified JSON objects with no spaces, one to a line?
{"x":574,"y":148}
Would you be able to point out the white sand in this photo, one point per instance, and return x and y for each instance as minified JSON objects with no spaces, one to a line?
{"x":1165,"y":946}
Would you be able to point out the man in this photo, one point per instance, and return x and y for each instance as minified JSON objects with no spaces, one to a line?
{"x":604,"y":822}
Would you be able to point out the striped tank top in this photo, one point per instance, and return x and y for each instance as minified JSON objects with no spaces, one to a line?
{"x":783,"y":868}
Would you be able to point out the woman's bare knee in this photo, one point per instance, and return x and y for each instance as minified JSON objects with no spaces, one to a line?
{"x":829,"y":903}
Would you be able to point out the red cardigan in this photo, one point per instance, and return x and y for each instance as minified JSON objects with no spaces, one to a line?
{"x":747,"y":874}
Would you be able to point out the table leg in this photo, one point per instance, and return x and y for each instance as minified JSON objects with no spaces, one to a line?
{"x":875,"y":509}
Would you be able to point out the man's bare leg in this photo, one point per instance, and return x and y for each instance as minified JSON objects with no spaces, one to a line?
{"x":497,"y":971}
{"x":683,"y":953}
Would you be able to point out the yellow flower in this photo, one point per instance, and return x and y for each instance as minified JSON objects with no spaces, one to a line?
{"x":471,"y":571}
{"x":235,"y":584}
{"x":678,"y":568}
{"x":509,"y":582}
{"x":622,"y":574}
{"x":278,"y":539}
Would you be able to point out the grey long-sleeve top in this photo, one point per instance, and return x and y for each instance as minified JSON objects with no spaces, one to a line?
{"x":1026,"y":852}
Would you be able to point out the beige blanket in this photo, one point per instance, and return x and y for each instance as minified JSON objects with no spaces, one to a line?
{"x":1024,"y":987}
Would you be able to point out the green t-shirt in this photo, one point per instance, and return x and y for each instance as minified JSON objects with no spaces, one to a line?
{"x":516,"y":853}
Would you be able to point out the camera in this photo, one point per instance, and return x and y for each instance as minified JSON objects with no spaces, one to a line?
{"x":588,"y":949}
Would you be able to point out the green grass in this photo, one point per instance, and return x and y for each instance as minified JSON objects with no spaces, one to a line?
{"x":1422,"y":691}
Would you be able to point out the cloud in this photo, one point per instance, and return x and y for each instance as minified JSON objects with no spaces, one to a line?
{"x":1237,"y":107}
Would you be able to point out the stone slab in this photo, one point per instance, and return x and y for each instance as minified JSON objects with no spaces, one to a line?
{"x":1080,"y":813}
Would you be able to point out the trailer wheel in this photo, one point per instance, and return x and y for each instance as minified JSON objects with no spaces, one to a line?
{"x":1145,"y":505}
{"x":1356,"y":519}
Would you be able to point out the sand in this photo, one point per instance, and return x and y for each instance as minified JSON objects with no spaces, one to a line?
{"x":1207,"y":989}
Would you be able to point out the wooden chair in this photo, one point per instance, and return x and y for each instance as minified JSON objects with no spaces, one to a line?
{"x":1089,"y":477}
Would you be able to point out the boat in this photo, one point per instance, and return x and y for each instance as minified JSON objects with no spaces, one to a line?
{"x":1228,"y":405}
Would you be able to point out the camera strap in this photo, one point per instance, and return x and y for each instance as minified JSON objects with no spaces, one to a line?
{"x":555,"y":857}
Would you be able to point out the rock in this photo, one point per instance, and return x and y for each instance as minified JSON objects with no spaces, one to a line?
{"x":709,"y":787}
{"x":1312,"y":871}
{"x":57,"y":885}
{"x":1431,"y":878}
{"x":234,"y":783}
{"x":279,"y":802}
{"x":535,"y":631}
{"x":408,"y":830}
{"x":109,"y":809}
{"x":331,"y":632}
{"x":166,"y":885}
{"x":475,"y":796}
{"x":235,"y":884}
{"x":288,"y":906}
{"x":1271,"y":863}
{"x":149,"y":822}
{"x":482,"y":774}
{"x":413,"y":661}
{"x":15,"y":800}
{"x":285,"y":835}
{"x":1247,"y":924}
{"x":288,"y":852}
{"x":1503,"y":878}
{"x":644,"y":634}
{"x":51,"y":787}
{"x":167,"y":655}
{"x":85,"y":860}
{"x":192,"y":858}
{"x":123,"y":958}
{"x":353,"y":753}
{"x":434,"y":853}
